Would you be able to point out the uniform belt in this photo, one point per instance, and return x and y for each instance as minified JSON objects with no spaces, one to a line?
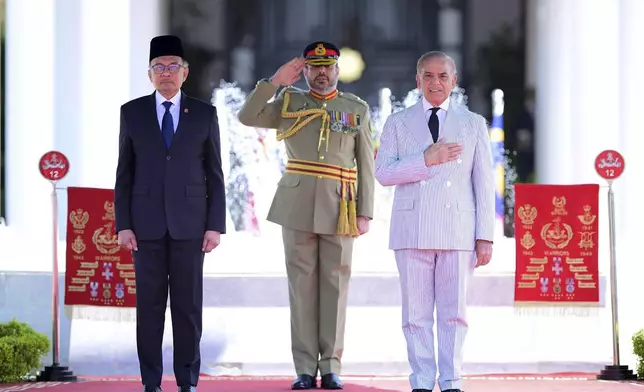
{"x":348,"y":178}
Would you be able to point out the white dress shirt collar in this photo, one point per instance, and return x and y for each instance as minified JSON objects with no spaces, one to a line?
{"x":427,"y":105}
{"x":160,"y":99}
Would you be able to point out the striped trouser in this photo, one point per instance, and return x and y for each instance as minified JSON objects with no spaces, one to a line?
{"x":426,"y":278}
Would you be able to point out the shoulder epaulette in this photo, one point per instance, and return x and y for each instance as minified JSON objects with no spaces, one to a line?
{"x":292,"y":90}
{"x":355,"y":98}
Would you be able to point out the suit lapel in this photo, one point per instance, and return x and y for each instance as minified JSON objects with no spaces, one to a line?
{"x":184,"y":119}
{"x":448,"y":130}
{"x":416,"y":125}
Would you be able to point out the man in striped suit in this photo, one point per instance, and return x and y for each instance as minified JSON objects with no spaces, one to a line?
{"x":437,"y":153}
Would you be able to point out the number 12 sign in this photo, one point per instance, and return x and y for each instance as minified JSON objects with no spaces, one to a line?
{"x":54,"y":166}
{"x":609,"y":164}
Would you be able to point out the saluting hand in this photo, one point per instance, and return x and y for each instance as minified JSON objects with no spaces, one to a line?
{"x":441,"y":152}
{"x":210,"y":241}
{"x":288,"y":73}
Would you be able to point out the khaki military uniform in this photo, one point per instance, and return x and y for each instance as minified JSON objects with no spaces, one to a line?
{"x":329,"y":180}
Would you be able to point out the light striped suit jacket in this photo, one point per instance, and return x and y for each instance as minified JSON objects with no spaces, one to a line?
{"x":441,"y":207}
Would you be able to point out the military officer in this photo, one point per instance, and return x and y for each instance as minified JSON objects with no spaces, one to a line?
{"x":323,"y":202}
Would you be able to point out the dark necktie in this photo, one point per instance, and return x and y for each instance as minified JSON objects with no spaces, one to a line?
{"x":167,"y":125}
{"x":433,"y":124}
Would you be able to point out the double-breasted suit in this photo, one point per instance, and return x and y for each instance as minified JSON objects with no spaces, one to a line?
{"x":438,"y":214}
{"x":328,"y":183}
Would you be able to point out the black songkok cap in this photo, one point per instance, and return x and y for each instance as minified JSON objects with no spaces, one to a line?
{"x":165,"y":45}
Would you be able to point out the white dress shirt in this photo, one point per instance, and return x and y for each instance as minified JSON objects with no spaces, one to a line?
{"x":174,"y":109}
{"x":441,"y":113}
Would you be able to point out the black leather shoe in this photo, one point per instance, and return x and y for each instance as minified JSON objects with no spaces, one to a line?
{"x":331,"y":381}
{"x":421,"y":390}
{"x":187,"y":389}
{"x":453,"y":390}
{"x":303,"y":381}
{"x":152,"y":389}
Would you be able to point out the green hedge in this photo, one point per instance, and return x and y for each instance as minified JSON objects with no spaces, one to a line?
{"x":21,"y":351}
{"x":638,"y":350}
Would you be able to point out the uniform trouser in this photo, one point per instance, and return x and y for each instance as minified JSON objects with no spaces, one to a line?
{"x":318,"y":269}
{"x":427,"y":279}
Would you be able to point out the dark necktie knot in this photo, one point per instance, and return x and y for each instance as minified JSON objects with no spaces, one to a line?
{"x":167,"y":105}
{"x":435,"y":110}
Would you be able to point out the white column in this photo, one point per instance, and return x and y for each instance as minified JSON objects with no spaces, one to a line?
{"x":105,"y":78}
{"x":30,"y":117}
{"x":629,"y":188}
{"x":68,"y":98}
{"x":114,"y":71}
{"x":595,"y":84}
{"x":553,"y":93}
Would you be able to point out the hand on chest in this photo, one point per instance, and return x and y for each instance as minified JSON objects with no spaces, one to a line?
{"x":416,"y":136}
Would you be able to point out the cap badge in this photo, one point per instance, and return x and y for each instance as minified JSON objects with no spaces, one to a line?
{"x":320,"y":50}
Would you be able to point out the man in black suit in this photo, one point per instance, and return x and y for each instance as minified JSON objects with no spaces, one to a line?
{"x":170,"y":210}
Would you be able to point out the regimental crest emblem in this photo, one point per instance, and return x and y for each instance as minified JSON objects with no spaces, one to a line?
{"x":106,"y":240}
{"x":527,"y":241}
{"x":527,"y":213}
{"x":109,"y":211}
{"x":78,"y":245}
{"x":556,"y":236}
{"x":587,"y":218}
{"x":79,"y":218}
{"x":559,"y":203}
{"x":610,"y":161}
{"x":586,"y":242}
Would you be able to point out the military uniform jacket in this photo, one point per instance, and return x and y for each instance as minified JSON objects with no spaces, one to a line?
{"x":311,"y":203}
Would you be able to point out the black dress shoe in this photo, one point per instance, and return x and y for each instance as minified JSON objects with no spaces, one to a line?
{"x":152,"y":389}
{"x":421,"y":390}
{"x":303,"y":381}
{"x":187,"y":389}
{"x":452,"y":390}
{"x":331,"y":381}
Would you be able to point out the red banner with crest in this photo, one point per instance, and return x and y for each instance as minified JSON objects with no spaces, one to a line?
{"x":99,"y":272}
{"x":556,"y":232}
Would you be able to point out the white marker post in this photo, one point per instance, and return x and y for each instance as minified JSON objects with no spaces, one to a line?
{"x":54,"y":166}
{"x":610,"y":164}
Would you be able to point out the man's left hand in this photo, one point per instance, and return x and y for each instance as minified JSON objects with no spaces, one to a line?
{"x":483,"y":252}
{"x":363,"y":224}
{"x":210,"y":241}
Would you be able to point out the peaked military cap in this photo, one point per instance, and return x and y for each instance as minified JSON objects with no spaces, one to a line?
{"x":166,"y":45}
{"x":321,"y":53}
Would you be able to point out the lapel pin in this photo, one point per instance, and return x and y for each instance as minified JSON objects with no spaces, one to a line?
{"x":185,"y":110}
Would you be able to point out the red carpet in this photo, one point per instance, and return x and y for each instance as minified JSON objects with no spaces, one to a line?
{"x":490,"y":383}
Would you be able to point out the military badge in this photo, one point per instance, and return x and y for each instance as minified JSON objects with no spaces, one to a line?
{"x":344,"y":122}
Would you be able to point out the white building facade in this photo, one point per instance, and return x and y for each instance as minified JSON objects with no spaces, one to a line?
{"x":71,"y":64}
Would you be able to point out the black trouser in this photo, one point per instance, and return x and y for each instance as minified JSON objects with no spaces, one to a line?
{"x":179,"y":265}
